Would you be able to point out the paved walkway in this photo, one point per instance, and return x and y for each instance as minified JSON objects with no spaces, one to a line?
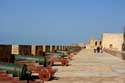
{"x":87,"y":67}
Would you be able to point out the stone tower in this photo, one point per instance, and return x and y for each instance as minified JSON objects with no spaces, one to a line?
{"x":92,"y":41}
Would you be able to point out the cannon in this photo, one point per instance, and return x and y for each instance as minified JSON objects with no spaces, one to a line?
{"x":37,"y":65}
{"x":73,"y":50}
{"x":44,"y":73}
{"x":39,"y":59}
{"x":57,"y":57}
{"x":55,"y":54}
{"x":63,"y":52}
{"x":8,"y":78}
{"x":17,"y":70}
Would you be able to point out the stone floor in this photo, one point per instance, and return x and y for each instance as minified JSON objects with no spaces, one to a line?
{"x":87,"y":67}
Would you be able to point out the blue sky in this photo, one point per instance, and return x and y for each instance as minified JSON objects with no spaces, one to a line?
{"x":58,"y":21}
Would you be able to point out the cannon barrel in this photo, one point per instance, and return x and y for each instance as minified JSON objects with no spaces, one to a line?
{"x":63,"y":52}
{"x":41,"y":60}
{"x":73,"y":49}
{"x":55,"y":54}
{"x":17,"y":70}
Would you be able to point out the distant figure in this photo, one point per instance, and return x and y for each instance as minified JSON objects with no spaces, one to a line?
{"x":84,"y":47}
{"x":95,"y":48}
{"x":123,"y":47}
{"x":98,"y":49}
{"x":101,"y":49}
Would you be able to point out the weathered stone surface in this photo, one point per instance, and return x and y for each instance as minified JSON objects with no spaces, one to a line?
{"x":87,"y":67}
{"x":112,"y":40}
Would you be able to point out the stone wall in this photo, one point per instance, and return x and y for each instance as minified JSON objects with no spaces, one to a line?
{"x":39,"y":50}
{"x":22,"y":49}
{"x":80,"y":44}
{"x":5,"y":53}
{"x":116,"y":53}
{"x":95,"y":43}
{"x":112,"y":41}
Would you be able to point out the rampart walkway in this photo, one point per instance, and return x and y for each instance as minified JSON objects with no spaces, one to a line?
{"x":87,"y":67}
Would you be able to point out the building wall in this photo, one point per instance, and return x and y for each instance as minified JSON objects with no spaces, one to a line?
{"x":94,"y":42}
{"x":112,"y":41}
{"x":87,"y":46}
{"x":91,"y":42}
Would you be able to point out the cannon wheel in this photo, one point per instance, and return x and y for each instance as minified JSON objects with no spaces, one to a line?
{"x":49,"y":63}
{"x":64,"y":63}
{"x":44,"y":74}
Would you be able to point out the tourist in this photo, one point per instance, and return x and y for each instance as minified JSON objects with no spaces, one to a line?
{"x":95,"y":48}
{"x":98,"y":49}
{"x":101,"y":48}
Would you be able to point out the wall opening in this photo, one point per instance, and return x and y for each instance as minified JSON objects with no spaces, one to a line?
{"x":96,"y":43}
{"x":100,"y":43}
{"x":110,"y":45}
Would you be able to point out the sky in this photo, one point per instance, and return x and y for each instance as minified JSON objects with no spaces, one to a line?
{"x":59,"y":22}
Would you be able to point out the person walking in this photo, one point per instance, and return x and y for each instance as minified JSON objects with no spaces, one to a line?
{"x":95,"y":49}
{"x":98,"y":49}
{"x":101,"y":48}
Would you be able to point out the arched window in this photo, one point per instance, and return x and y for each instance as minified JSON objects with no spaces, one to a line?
{"x":96,"y":43}
{"x":100,"y":43}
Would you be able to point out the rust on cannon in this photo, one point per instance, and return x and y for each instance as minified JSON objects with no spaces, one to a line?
{"x":44,"y":73}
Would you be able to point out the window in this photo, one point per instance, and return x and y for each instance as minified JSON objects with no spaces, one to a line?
{"x":110,"y":46}
{"x":100,"y":42}
{"x":96,"y":43}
